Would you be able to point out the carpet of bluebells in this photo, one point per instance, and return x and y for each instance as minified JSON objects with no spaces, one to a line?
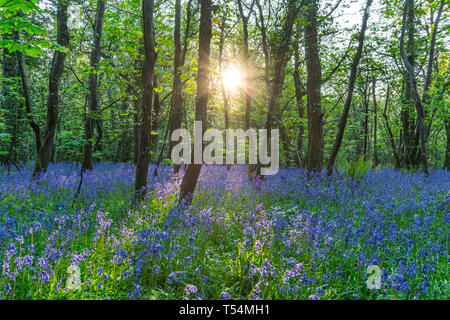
{"x":291,"y":236}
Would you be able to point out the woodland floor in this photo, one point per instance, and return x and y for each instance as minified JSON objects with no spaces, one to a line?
{"x":291,"y":237}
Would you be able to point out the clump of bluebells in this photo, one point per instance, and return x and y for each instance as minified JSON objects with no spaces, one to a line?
{"x":291,"y":236}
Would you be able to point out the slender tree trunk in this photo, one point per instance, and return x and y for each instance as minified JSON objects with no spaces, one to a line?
{"x":247,"y":84}
{"x":281,"y":59}
{"x":205,"y":33}
{"x":54,"y":157}
{"x":93,"y":86}
{"x":285,"y":143}
{"x":10,"y":101}
{"x":177,"y":96}
{"x":407,"y":135}
{"x":136,"y":126}
{"x":27,"y":100}
{"x":447,"y":149}
{"x":351,"y":86}
{"x":222,"y":85}
{"x":314,"y":160}
{"x":431,"y":55}
{"x":145,"y":129}
{"x":388,"y":128}
{"x":375,"y":124}
{"x":410,"y":143}
{"x":262,"y":27}
{"x":98,"y":139}
{"x":366,"y":121}
{"x":176,"y":110}
{"x":125,"y":144}
{"x":155,"y":114}
{"x":299,"y":93}
{"x":63,"y":38}
{"x":409,"y":4}
{"x":252,"y":169}
{"x":187,"y":32}
{"x":431,"y":62}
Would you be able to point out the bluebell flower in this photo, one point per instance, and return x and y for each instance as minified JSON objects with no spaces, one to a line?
{"x":225,"y":295}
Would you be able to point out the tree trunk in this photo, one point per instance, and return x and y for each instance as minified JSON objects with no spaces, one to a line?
{"x":366,"y":120}
{"x":222,"y":85}
{"x":93,"y":86}
{"x":262,"y":27}
{"x":205,"y":33}
{"x":409,"y":4}
{"x":27,"y":100}
{"x":299,"y":93}
{"x":276,"y":84}
{"x":281,"y":54}
{"x":375,"y":124}
{"x":410,"y":143}
{"x":63,"y":38}
{"x":10,"y":101}
{"x":281,"y":57}
{"x":176,"y":110}
{"x":98,"y":139}
{"x":431,"y":55}
{"x":313,"y":87}
{"x":252,"y":169}
{"x":431,"y":62}
{"x":136,"y":126}
{"x":247,"y":85}
{"x":155,"y":115}
{"x":447,"y":149}
{"x":187,"y":32}
{"x":285,"y":144}
{"x":351,"y":86}
{"x":124,"y":145}
{"x":145,"y":129}
{"x":388,"y":128}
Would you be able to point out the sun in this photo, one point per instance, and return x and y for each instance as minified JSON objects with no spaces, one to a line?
{"x":232,"y":78}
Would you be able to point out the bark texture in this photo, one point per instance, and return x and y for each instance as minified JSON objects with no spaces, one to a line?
{"x":408,"y":15}
{"x":93,"y":86}
{"x":44,"y":153}
{"x":145,"y":128}
{"x":351,"y":86}
{"x":192,"y":173}
{"x":314,"y":159}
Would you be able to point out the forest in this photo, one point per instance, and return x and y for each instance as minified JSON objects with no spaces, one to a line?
{"x":109,"y":188}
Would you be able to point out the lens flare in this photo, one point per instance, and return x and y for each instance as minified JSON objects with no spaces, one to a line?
{"x":232,"y":78}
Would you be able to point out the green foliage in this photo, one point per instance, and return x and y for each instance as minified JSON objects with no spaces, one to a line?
{"x":30,"y":28}
{"x":13,"y":22}
{"x":356,"y":169}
